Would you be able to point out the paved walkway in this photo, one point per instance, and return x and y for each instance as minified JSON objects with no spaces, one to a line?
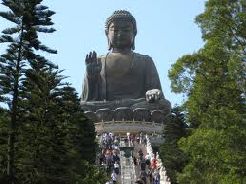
{"x":129,"y":172}
{"x":127,"y":167}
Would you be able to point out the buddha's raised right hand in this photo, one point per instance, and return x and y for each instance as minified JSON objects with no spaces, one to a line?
{"x":93,"y":66}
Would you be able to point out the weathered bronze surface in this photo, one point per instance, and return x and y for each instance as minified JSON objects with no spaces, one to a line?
{"x":121,"y":78}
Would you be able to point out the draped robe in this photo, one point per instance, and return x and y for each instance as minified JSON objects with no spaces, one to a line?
{"x":133,"y":84}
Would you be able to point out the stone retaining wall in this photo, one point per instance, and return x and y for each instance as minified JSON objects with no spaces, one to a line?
{"x":164,"y":178}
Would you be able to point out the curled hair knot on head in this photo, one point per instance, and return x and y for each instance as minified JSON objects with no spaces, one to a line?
{"x":121,"y":15}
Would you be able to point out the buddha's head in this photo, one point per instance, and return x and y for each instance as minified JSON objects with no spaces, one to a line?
{"x":121,"y":29}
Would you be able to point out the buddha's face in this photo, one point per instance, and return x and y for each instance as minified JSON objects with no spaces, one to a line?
{"x":120,"y":34}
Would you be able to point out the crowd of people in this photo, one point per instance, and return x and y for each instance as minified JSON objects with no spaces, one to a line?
{"x":146,"y":166}
{"x":109,"y":157}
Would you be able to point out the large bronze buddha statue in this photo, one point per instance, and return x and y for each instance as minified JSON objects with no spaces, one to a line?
{"x":121,"y":78}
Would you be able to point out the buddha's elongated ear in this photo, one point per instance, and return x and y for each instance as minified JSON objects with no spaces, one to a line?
{"x":109,"y":44}
{"x":133,"y":44}
{"x":106,"y":32}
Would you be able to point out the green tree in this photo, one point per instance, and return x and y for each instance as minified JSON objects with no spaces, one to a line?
{"x":83,"y":134}
{"x":42,"y":134}
{"x":173,"y":158}
{"x":4,"y":121}
{"x":214,"y":81}
{"x":57,"y":141}
{"x":29,"y":18}
{"x":81,"y":137}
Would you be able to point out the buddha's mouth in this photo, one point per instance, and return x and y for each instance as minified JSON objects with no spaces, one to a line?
{"x":121,"y":40}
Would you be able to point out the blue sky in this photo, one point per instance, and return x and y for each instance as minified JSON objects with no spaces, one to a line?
{"x":166,"y":31}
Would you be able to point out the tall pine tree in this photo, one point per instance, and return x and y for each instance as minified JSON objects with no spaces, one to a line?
{"x":56,"y":143}
{"x":29,"y":18}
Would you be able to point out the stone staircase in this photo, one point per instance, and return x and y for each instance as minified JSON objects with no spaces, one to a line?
{"x":136,"y":122}
{"x":127,"y":167}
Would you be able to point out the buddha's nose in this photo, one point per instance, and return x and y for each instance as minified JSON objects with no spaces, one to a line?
{"x":120,"y":34}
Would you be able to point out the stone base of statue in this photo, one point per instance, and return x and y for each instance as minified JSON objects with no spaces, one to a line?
{"x":134,"y":115}
{"x":162,"y":105}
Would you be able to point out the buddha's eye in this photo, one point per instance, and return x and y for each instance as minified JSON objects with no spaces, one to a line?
{"x":121,"y":30}
{"x":113,"y":29}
